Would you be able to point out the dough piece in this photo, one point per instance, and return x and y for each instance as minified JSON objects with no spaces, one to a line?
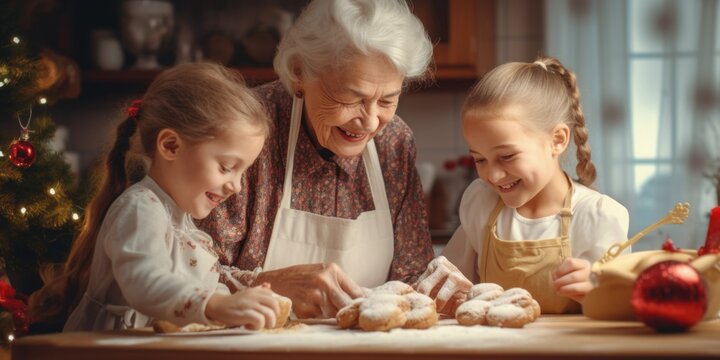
{"x":485,"y":291}
{"x":347,"y":317}
{"x":520,"y":298}
{"x":507,"y":315}
{"x":393,"y":287}
{"x":162,"y":326}
{"x":516,"y":291}
{"x":422,"y":313}
{"x":382,"y":312}
{"x":533,"y":310}
{"x":195,"y":327}
{"x":473,"y":312}
{"x":285,"y":308}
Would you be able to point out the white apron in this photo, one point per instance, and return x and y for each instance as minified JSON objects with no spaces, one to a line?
{"x":363,"y":247}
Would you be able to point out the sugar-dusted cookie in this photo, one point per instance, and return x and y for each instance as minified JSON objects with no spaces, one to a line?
{"x":393,"y":287}
{"x":347,"y":317}
{"x":485,"y":291}
{"x":423,"y":312}
{"x":507,"y":315}
{"x":382,"y":312}
{"x":389,"y":306}
{"x":488,"y":304}
{"x":473,"y":312}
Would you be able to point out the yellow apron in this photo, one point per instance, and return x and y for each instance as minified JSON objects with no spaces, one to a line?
{"x":528,"y":264}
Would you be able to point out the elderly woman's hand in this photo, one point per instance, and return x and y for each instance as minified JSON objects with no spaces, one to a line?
{"x":444,"y":282}
{"x":316,"y":290}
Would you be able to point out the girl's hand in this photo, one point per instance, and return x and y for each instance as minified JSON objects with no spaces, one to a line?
{"x":444,"y":282}
{"x":572,"y":279}
{"x":316,"y":290}
{"x":255,"y":308}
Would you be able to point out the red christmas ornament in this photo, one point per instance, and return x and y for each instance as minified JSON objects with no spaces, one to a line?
{"x":669,"y":296}
{"x":22,"y":152}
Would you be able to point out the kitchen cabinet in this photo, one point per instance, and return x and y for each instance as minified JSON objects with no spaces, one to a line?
{"x":462,"y":31}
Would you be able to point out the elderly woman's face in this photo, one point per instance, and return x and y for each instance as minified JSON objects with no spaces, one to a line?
{"x":346,"y":108}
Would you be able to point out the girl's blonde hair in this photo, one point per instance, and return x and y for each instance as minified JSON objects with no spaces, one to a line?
{"x":198,"y":101}
{"x":549,"y":93}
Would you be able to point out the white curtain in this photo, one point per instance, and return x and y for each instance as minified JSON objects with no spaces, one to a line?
{"x":639,"y":64}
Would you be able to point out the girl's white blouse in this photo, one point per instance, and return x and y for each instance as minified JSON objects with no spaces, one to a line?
{"x":150,"y":262}
{"x":598,"y":222}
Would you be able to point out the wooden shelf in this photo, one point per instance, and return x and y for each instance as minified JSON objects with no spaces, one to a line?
{"x":145,"y":77}
{"x":461,"y":30}
{"x":446,"y":78}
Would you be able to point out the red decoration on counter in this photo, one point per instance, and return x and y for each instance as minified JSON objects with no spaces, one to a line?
{"x":669,"y":296}
{"x":712,"y":241}
{"x":669,"y":246}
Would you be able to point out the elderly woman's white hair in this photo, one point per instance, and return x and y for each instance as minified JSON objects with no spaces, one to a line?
{"x":328,"y":32}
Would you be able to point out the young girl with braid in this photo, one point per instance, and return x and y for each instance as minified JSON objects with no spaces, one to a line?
{"x":525,"y":223}
{"x":139,"y":256}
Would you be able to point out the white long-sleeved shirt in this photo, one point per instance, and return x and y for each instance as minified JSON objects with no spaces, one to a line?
{"x":598,"y":221}
{"x":150,"y":262}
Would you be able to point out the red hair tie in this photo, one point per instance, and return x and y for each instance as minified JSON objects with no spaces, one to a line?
{"x":134,"y":108}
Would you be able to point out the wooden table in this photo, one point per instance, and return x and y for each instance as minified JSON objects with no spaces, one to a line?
{"x":551,"y":337}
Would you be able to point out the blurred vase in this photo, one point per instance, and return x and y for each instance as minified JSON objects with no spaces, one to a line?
{"x":107,"y":53}
{"x":145,"y":26}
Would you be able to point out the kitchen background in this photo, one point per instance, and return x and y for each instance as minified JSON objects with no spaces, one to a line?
{"x":647,"y":71}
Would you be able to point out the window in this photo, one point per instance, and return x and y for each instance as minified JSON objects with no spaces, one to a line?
{"x":664,"y":50}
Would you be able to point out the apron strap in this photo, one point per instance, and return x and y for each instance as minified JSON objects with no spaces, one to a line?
{"x":295,"y":118}
{"x":566,"y":218}
{"x":489,"y":236}
{"x":492,"y":219}
{"x":374,"y":173}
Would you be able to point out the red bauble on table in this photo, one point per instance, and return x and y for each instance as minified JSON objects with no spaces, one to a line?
{"x":22,"y":153}
{"x":669,"y":296}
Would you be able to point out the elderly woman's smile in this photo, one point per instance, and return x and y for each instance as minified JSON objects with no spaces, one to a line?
{"x":345,"y":109}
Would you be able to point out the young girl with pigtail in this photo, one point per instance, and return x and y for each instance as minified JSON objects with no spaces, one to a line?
{"x":139,"y":256}
{"x":525,"y":223}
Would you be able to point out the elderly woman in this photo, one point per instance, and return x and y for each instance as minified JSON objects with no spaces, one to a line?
{"x":333,"y":203}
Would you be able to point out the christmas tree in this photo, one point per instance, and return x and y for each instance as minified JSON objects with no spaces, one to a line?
{"x":38,"y":218}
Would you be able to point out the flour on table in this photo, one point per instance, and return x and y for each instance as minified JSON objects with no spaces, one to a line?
{"x":445,"y":335}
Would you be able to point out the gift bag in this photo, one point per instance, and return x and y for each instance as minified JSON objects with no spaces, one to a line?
{"x":615,"y":275}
